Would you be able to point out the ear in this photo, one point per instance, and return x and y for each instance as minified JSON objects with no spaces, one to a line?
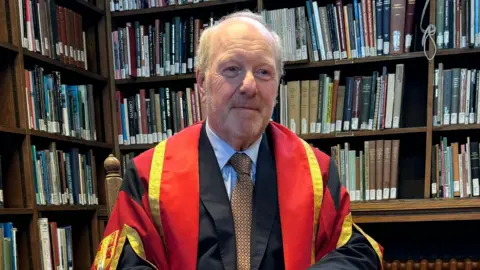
{"x":201,"y":85}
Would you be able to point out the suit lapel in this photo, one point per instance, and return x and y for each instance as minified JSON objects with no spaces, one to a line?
{"x":214,"y":197}
{"x":264,"y":202}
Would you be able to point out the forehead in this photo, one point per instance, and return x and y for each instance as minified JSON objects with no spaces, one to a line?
{"x":242,"y":35}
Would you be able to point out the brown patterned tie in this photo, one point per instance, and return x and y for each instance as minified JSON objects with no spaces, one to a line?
{"x":242,"y":208}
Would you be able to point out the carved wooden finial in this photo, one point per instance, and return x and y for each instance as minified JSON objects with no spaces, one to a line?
{"x":113,"y":180}
{"x":112,"y":166}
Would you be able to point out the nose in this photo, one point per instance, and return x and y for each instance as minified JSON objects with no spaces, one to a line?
{"x":249,"y":85}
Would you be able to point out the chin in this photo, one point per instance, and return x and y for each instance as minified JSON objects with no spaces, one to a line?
{"x":246,"y":128}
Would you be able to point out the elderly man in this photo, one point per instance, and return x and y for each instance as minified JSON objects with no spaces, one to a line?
{"x":236,"y":191}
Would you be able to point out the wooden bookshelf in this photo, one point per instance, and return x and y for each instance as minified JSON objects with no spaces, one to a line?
{"x":202,"y":6}
{"x":417,"y":134}
{"x":416,"y":210}
{"x":17,"y":137}
{"x":39,"y":59}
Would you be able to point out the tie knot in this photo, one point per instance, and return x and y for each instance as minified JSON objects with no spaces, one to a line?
{"x":241,"y":163}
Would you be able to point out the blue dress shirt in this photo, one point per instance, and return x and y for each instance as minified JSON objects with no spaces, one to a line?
{"x":223,"y":152}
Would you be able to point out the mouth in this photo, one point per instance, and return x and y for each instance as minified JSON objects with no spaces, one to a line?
{"x":245,"y":108}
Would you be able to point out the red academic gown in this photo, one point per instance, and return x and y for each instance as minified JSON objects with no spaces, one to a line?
{"x":173,"y":212}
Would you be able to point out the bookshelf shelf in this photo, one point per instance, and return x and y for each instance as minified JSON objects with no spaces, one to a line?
{"x":139,"y":81}
{"x":16,"y":211}
{"x":62,"y":208}
{"x":365,"y":133}
{"x":82,"y":7}
{"x":8,"y":48}
{"x":86,"y":75}
{"x":136,"y":147}
{"x":330,"y":63}
{"x":12,"y":130}
{"x":170,"y":9}
{"x":71,"y":140}
{"x":415,"y":210}
{"x":446,"y":52}
{"x":456,"y":127}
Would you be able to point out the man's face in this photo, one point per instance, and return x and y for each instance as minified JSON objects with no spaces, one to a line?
{"x":241,"y":82}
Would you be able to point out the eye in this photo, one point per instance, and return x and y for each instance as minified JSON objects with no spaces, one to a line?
{"x":264,"y":73}
{"x":231,"y":71}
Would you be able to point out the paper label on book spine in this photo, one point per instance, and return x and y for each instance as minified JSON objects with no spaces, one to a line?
{"x":367,"y":195}
{"x":346,"y":125}
{"x":408,"y":41}
{"x":344,"y":54}
{"x":434,"y":188}
{"x":190,"y":63}
{"x":370,"y":124}
{"x":386,"y":47}
{"x":112,"y":5}
{"x":440,"y":39}
{"x":471,"y":118}
{"x":352,"y":195}
{"x":476,"y":187}
{"x":338,"y":126}
{"x":396,"y":122}
{"x":386,"y":193}
{"x":456,"y":186}
{"x":393,"y":193}
{"x":329,"y":56}
{"x":304,"y":126}
{"x":293,"y":127}
{"x":461,"y":118}
{"x":319,"y":128}
{"x":372,"y":194}
{"x":120,"y":139}
{"x":354,"y":123}
{"x":336,"y":55}
{"x":453,"y":119}
{"x":446,"y":119}
{"x":357,"y":195}
{"x":312,"y":127}
{"x":149,"y":139}
{"x":379,"y":194}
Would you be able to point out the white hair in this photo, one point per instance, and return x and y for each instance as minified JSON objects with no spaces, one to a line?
{"x":203,"y":51}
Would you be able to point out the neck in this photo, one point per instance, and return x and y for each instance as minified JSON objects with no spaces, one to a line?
{"x":239,"y":142}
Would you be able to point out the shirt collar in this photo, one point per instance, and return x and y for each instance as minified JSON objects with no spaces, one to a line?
{"x":223,"y":151}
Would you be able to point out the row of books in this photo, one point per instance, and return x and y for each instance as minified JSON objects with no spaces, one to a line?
{"x":59,"y":108}
{"x":8,"y":246}
{"x":123,"y":5}
{"x":455,"y":169}
{"x":457,"y":24}
{"x":457,"y":97}
{"x":151,"y":116}
{"x":159,"y":48}
{"x":325,"y":106}
{"x":55,"y":245}
{"x":64,"y":177}
{"x":371,"y":173}
{"x":53,"y":31}
{"x":359,"y":29}
{"x":125,"y":159}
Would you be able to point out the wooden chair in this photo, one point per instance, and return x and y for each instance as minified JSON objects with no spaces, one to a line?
{"x":113,"y":181}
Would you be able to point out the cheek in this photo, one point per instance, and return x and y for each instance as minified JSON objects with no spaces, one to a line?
{"x":268,"y":92}
{"x":220,"y":88}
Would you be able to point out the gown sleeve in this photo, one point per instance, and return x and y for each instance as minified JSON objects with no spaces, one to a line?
{"x":131,"y":239}
{"x":341,"y":244}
